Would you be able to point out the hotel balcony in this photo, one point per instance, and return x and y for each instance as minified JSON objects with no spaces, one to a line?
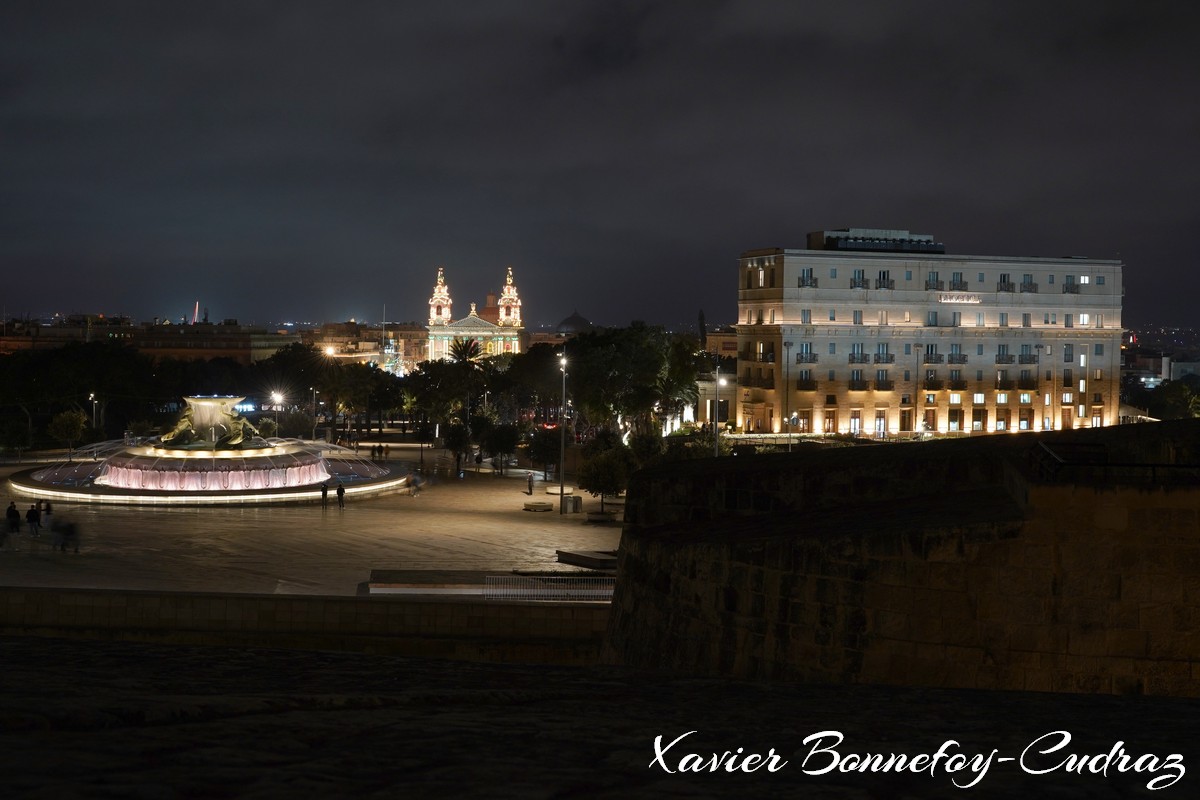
{"x":1070,"y":288}
{"x":935,"y":285}
{"x":860,"y":358}
{"x":1005,"y":383}
{"x":889,"y":283}
{"x":1030,"y":288}
{"x":933,"y":358}
{"x":766,"y":358}
{"x":956,"y":358}
{"x":1028,"y":358}
{"x":958,"y":286}
{"x":859,"y":283}
{"x":1006,"y":287}
{"x":885,"y":358}
{"x":1027,"y":383}
{"x":806,"y":358}
{"x":933,"y":384}
{"x":957,"y":385}
{"x":859,"y":386}
{"x":885,"y":386}
{"x":806,"y":385}
{"x":1006,"y":358}
{"x":807,"y":283}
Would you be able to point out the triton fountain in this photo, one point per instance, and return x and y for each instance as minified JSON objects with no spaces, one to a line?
{"x":212,"y":455}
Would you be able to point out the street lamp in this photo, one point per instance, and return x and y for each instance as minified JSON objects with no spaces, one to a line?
{"x":314,"y":428}
{"x":278,"y":398}
{"x":717,"y":411}
{"x":787,"y":360}
{"x":562,"y":449}
{"x":92,"y":397}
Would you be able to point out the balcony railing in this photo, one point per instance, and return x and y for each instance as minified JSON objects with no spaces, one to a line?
{"x":885,"y":386}
{"x":885,"y":358}
{"x":933,"y":384}
{"x":958,"y":384}
{"x":1006,"y":287}
{"x":956,"y":358}
{"x":860,"y":358}
{"x":859,"y":386}
{"x":1027,"y":383}
{"x":1006,"y":358}
{"x":1070,"y":288}
{"x":885,"y":283}
{"x":935,"y":285}
{"x":766,"y":358}
{"x":933,"y":358}
{"x":806,"y":384}
{"x":1005,"y":383}
{"x":859,"y":283}
{"x":807,"y":283}
{"x":1030,"y":288}
{"x":806,"y":358}
{"x":958,"y":286}
{"x":1028,"y":358}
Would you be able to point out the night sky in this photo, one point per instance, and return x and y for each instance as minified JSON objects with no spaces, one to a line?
{"x":317,"y":160}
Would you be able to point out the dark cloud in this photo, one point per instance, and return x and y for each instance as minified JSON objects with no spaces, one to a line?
{"x":310,"y":160}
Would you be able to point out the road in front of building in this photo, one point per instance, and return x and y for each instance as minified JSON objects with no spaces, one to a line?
{"x":475,"y":523}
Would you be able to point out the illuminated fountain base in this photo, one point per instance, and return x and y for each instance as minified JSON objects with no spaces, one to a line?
{"x":262,"y":471}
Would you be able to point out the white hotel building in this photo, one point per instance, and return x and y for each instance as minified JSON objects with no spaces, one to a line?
{"x":881,"y":333}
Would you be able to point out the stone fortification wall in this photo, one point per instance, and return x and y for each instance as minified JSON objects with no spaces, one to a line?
{"x":957,"y":574}
{"x":541,"y":632}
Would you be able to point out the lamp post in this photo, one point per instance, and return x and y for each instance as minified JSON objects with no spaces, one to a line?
{"x":562,"y":428}
{"x":717,"y":413}
{"x":277,"y":398}
{"x":314,"y":428}
{"x":787,"y":389}
{"x":92,"y":397}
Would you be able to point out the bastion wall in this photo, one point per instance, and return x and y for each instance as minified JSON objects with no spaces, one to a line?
{"x":948,"y":564}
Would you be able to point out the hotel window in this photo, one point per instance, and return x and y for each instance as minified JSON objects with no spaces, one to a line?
{"x":1068,"y":320}
{"x":977,"y":398}
{"x":806,"y":316}
{"x":1083,"y":359}
{"x":1084,"y":319}
{"x":978,"y":349}
{"x":856,"y":317}
{"x":1098,"y":350}
{"x":981,"y":277}
{"x":833,"y":272}
{"x":883,"y":318}
{"x":1027,"y":320}
{"x":760,"y":317}
{"x":832,"y":375}
{"x":1068,"y":376}
{"x":908,"y":274}
{"x":955,"y":398}
{"x":1025,"y":398}
{"x":956,"y":318}
{"x":907,"y":376}
{"x":1098,"y":374}
{"x":1099,"y":280}
{"x":1068,"y":398}
{"x":771,"y":281}
{"x":978,"y":374}
{"x":833,"y":315}
{"x":1050,"y":279}
{"x":931,"y":319}
{"x":833,"y":348}
{"x":1003,"y":319}
{"x":979,"y":319}
{"x":749,"y":316}
{"x":1068,"y":353}
{"x":761,"y":281}
{"x":1002,"y":398}
{"x":772,"y":316}
{"x":930,"y":399}
{"x":1084,"y":279}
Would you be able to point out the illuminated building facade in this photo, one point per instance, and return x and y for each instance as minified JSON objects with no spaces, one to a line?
{"x":498,"y":327}
{"x":881,"y":333}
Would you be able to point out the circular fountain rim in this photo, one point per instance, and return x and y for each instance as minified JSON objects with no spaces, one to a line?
{"x":24,"y":484}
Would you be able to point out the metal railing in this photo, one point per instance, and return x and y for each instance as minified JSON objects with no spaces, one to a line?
{"x":859,"y":358}
{"x":956,"y":358}
{"x":558,"y":587}
{"x":1006,"y":287}
{"x":1006,"y":358}
{"x":885,"y":358}
{"x":885,"y":283}
{"x":859,"y":283}
{"x":933,"y":358}
{"x":1070,"y":288}
{"x":958,"y":286}
{"x":1030,"y":288}
{"x":935,"y":285}
{"x":806,"y":283}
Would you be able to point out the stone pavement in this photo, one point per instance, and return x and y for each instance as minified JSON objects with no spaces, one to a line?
{"x":473,"y":523}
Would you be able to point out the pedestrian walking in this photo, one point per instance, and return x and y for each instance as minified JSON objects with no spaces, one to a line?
{"x":324,"y":495}
{"x":529,"y":476}
{"x":387,"y":452}
{"x":341,"y":495}
{"x":14,"y":518}
{"x":33,"y":518}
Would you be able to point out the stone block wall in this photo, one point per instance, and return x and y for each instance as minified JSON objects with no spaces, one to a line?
{"x":1019,"y":585}
{"x":533,"y":632}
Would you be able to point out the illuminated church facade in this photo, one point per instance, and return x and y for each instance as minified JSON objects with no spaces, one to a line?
{"x":498,"y":327}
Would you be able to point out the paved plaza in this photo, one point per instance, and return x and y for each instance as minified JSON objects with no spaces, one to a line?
{"x":473,"y":523}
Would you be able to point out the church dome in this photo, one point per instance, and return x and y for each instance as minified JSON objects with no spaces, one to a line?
{"x":573,"y":324}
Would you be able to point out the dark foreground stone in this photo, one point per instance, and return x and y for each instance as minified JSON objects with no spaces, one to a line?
{"x":121,"y":720}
